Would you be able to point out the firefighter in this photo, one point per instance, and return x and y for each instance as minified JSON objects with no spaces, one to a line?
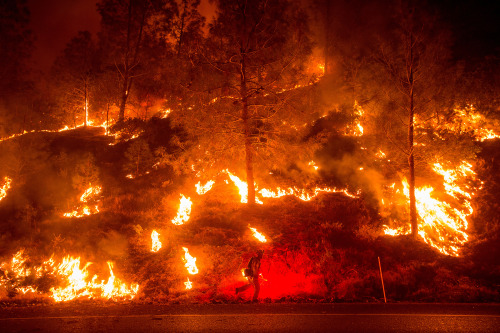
{"x":252,"y":275}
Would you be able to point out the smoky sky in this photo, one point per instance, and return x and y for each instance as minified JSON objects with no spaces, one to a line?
{"x":54,"y":22}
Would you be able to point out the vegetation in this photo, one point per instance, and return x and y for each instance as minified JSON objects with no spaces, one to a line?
{"x":321,"y":120}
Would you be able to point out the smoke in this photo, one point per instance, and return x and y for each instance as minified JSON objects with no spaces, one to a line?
{"x":113,"y":245}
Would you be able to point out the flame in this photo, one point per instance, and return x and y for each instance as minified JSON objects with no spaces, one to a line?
{"x":90,"y":194}
{"x":202,"y":189}
{"x":440,"y":224}
{"x":5,"y":187}
{"x":190,"y":262}
{"x":184,"y":211}
{"x":155,"y":242}
{"x":165,"y":113}
{"x":258,"y":235}
{"x":77,"y":284}
{"x":301,"y":194}
{"x":313,"y":164}
{"x":242,"y":187}
{"x":464,"y":120}
{"x":188,"y":284}
{"x":75,"y":281}
{"x":92,"y":123}
{"x":357,"y":129}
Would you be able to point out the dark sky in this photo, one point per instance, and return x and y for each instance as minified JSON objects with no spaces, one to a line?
{"x":55,"y":22}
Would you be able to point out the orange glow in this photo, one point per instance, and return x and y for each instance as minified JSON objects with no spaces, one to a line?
{"x":313,"y":165}
{"x":188,"y":284}
{"x":464,"y":120}
{"x":74,"y":279}
{"x":184,"y":211}
{"x":258,"y":235}
{"x":155,"y":242}
{"x":190,"y":262}
{"x":202,"y":189}
{"x":357,"y":129}
{"x":242,"y":187}
{"x":301,"y":194}
{"x":442,"y":225}
{"x":89,"y":195}
{"x":6,"y":186}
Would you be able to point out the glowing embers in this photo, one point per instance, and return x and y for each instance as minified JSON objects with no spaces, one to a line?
{"x":91,"y":194}
{"x":184,"y":211}
{"x":155,"y":242}
{"x":5,"y":187}
{"x":442,"y":225}
{"x":189,"y":262}
{"x":258,"y":235}
{"x":73,"y":279}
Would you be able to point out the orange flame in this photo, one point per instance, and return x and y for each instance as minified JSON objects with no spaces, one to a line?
{"x":5,"y":187}
{"x":84,"y":210}
{"x":258,"y":235}
{"x":190,"y":262}
{"x":184,"y":211}
{"x":202,"y":189}
{"x":155,"y":242}
{"x":442,"y":226}
{"x":301,"y":194}
{"x":75,"y":280}
{"x":188,"y":284}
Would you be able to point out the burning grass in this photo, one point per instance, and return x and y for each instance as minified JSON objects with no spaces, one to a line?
{"x":324,"y":248}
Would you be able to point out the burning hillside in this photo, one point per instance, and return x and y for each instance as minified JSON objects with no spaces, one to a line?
{"x":165,"y":155}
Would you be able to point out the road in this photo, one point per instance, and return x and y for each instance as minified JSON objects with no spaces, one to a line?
{"x":95,"y":317}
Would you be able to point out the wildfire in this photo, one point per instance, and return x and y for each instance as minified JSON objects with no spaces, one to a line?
{"x":188,"y":284}
{"x":465,"y":120}
{"x":313,"y":165}
{"x":90,"y":194}
{"x":74,"y":279}
{"x":301,"y":194}
{"x":190,"y":262}
{"x":357,"y":129}
{"x":155,"y":242}
{"x":440,"y":224}
{"x":242,"y":187}
{"x":184,"y":211}
{"x":202,"y":189}
{"x":258,"y":235}
{"x":5,"y":187}
{"x":79,"y":286}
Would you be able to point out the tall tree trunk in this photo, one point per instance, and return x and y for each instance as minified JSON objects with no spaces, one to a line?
{"x":86,"y":105}
{"x":129,"y":65}
{"x":245,"y":117}
{"x":181,"y":32}
{"x":126,"y":69}
{"x":411,"y":159}
{"x":327,"y":31}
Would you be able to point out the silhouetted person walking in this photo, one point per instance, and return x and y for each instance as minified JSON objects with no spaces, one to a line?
{"x":252,"y":275}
